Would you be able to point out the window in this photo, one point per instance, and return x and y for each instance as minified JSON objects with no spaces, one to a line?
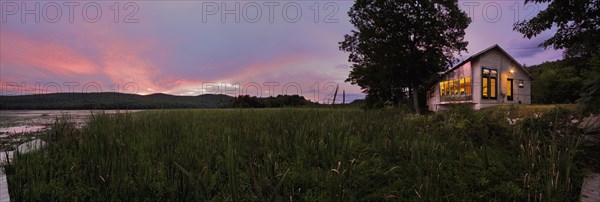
{"x":488,"y":83}
{"x":446,"y":91}
{"x":484,"y":87}
{"x":468,"y":85}
{"x":456,"y":89}
{"x":462,"y":86}
{"x":451,"y":92}
{"x":493,"y":88}
{"x":521,"y":85}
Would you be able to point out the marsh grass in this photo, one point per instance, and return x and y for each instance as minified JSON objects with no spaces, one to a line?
{"x":302,"y":154}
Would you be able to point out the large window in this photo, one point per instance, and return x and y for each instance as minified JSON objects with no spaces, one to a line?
{"x":468,"y":85}
{"x":456,"y":89}
{"x":489,"y":82}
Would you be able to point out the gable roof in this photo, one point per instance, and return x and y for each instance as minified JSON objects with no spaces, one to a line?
{"x":473,"y":57}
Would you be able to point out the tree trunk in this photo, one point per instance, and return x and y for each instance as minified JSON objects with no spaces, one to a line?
{"x":415,"y":95}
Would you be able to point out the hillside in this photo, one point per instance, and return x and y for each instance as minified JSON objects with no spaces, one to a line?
{"x":110,"y":101}
{"x":562,"y":81}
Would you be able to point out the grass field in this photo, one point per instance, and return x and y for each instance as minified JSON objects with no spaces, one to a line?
{"x":305,"y":155}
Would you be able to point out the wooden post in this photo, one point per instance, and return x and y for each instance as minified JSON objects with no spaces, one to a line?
{"x":335,"y":94}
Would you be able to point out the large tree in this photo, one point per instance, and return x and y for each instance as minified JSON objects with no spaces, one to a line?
{"x":400,"y":45}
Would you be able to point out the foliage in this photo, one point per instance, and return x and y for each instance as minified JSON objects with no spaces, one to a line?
{"x":302,"y":154}
{"x":245,"y":101}
{"x":556,"y":82}
{"x":401,"y":44}
{"x":577,"y":23}
{"x":590,"y":96}
{"x":563,"y":81}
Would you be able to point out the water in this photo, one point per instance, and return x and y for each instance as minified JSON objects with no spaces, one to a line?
{"x":20,"y":121}
{"x":4,"y":132}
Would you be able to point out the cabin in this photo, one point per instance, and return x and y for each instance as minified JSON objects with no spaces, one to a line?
{"x":488,"y":78}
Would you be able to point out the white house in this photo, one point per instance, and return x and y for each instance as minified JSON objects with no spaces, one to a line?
{"x":490,"y":77}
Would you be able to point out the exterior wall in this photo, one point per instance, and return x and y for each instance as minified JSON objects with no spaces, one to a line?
{"x":494,"y":59}
{"x":476,"y":83}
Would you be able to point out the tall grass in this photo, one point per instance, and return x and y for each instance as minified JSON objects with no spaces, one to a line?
{"x":302,"y":154}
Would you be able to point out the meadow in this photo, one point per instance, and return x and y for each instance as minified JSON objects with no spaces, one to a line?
{"x":304,"y":155}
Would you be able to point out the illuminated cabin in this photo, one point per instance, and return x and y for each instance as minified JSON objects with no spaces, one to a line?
{"x":490,"y":77}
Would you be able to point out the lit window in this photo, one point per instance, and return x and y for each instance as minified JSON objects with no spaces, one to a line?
{"x":468,"y":85}
{"x":492,"y":88}
{"x":456,"y":87}
{"x":446,"y":91}
{"x":462,"y":86}
{"x":484,"y":88}
{"x":488,"y":83}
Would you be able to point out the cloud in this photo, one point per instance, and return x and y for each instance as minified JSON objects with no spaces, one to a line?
{"x":52,"y":58}
{"x":172,"y":50}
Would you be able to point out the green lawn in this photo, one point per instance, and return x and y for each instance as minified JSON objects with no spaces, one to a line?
{"x":520,"y":111}
{"x":303,"y":154}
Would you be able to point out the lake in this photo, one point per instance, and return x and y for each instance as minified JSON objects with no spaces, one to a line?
{"x":19,"y":121}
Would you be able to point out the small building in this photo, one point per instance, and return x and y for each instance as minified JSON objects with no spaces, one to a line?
{"x":488,"y":78}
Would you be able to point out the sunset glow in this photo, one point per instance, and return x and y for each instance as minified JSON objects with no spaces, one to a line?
{"x":182,"y":47}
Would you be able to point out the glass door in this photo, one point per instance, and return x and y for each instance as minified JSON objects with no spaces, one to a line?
{"x":509,"y":90}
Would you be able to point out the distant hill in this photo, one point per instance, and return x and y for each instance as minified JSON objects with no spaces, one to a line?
{"x":110,"y":101}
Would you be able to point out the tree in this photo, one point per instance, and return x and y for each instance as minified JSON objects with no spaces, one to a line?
{"x":400,"y":45}
{"x":578,"y":32}
{"x":565,"y":78}
{"x":590,"y":98}
{"x":577,"y":23}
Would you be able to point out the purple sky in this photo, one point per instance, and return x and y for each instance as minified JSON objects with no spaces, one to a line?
{"x":195,"y":47}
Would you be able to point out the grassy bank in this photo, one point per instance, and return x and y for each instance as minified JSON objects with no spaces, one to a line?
{"x":303,"y":154}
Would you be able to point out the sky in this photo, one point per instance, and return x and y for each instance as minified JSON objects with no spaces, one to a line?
{"x":187,"y":47}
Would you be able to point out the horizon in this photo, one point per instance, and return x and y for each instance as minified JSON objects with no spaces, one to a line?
{"x":258,"y":48}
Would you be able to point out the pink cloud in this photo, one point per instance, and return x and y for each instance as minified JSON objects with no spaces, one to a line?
{"x":51,"y":57}
{"x":118,"y":58}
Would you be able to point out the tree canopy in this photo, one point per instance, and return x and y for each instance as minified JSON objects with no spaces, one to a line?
{"x":400,"y":45}
{"x":246,"y":101}
{"x":577,"y":24}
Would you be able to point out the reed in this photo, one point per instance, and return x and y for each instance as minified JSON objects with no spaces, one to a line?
{"x":302,"y":154}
